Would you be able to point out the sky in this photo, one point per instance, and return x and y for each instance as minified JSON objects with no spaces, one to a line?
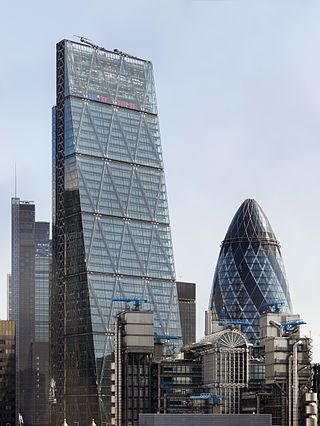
{"x":238,"y":90}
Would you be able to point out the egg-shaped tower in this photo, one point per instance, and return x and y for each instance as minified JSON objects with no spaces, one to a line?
{"x":249,"y":271}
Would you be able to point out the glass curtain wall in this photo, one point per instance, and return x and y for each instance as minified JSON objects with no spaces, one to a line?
{"x":250,"y":270}
{"x":111,"y":219}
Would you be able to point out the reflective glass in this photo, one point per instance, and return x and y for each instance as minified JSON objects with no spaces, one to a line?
{"x":250,"y":270}
{"x":117,"y":232}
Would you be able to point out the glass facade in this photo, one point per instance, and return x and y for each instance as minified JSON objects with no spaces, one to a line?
{"x":250,"y":270}
{"x":29,"y":308}
{"x":111,"y":221}
{"x":7,"y":373}
{"x":187,"y":309}
{"x":41,"y":323}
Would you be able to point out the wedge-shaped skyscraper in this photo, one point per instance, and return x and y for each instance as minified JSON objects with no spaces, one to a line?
{"x":111,"y":226}
{"x":249,"y":271}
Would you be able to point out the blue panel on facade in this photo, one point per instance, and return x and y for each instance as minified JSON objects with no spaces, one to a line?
{"x":250,"y":270}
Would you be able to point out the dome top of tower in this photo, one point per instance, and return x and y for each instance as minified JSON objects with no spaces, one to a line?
{"x":250,"y":224}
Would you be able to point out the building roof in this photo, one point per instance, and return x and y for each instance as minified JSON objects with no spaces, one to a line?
{"x":250,"y":223}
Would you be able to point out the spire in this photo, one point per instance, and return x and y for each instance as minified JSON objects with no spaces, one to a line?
{"x":15,"y":180}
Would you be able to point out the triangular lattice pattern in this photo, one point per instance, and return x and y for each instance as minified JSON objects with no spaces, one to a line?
{"x":116,"y":209}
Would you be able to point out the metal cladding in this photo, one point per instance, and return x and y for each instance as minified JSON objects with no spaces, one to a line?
{"x":250,"y":270}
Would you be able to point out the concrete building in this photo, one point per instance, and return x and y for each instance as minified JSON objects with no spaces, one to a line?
{"x":7,"y":373}
{"x":287,"y":393}
{"x":133,"y":350}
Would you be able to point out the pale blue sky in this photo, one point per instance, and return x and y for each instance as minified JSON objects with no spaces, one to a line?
{"x":238,"y":88}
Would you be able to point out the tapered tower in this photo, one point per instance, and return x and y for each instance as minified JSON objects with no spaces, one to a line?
{"x":111,"y":227}
{"x":249,"y":271}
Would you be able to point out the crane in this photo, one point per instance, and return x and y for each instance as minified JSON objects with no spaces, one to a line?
{"x":87,"y":41}
{"x":215,"y":398}
{"x":167,"y":385}
{"x":230,"y":323}
{"x":137,"y":301}
{"x":291,"y":326}
{"x":276,"y":305}
{"x":160,"y":337}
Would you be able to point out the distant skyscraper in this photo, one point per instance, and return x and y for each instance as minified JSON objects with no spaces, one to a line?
{"x":40,"y":352}
{"x":28,"y":306}
{"x":187,"y":309}
{"x":250,"y":270}
{"x":9,"y":298}
{"x":111,"y":227}
{"x":8,"y":373}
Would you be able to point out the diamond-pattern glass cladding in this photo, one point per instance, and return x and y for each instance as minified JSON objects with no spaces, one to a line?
{"x":120,"y":189}
{"x":108,"y":77}
{"x":126,"y":247}
{"x":109,"y":131}
{"x":250,"y":269}
{"x":116,"y":208}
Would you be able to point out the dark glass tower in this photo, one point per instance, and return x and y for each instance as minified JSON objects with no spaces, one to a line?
{"x":29,"y":308}
{"x":187,"y":309}
{"x":8,"y":373}
{"x":111,"y":227}
{"x":250,"y":270}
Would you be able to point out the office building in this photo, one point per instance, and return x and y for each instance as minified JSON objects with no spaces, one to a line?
{"x":7,"y":373}
{"x":174,"y":381}
{"x":111,"y":227}
{"x":249,"y":271}
{"x":287,"y":393}
{"x":288,"y":370}
{"x":225,"y":366}
{"x":29,"y":308}
{"x":187,"y":310}
{"x":9,"y":298}
{"x":133,"y":347}
{"x":40,"y":349}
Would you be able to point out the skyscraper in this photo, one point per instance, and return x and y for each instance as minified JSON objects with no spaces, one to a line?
{"x":29,"y":308}
{"x":9,"y":298}
{"x":250,"y":270}
{"x":40,"y":349}
{"x":111,"y":227}
{"x":8,"y":373}
{"x":187,"y":309}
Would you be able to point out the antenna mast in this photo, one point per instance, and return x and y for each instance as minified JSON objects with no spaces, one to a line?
{"x":15,"y":180}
